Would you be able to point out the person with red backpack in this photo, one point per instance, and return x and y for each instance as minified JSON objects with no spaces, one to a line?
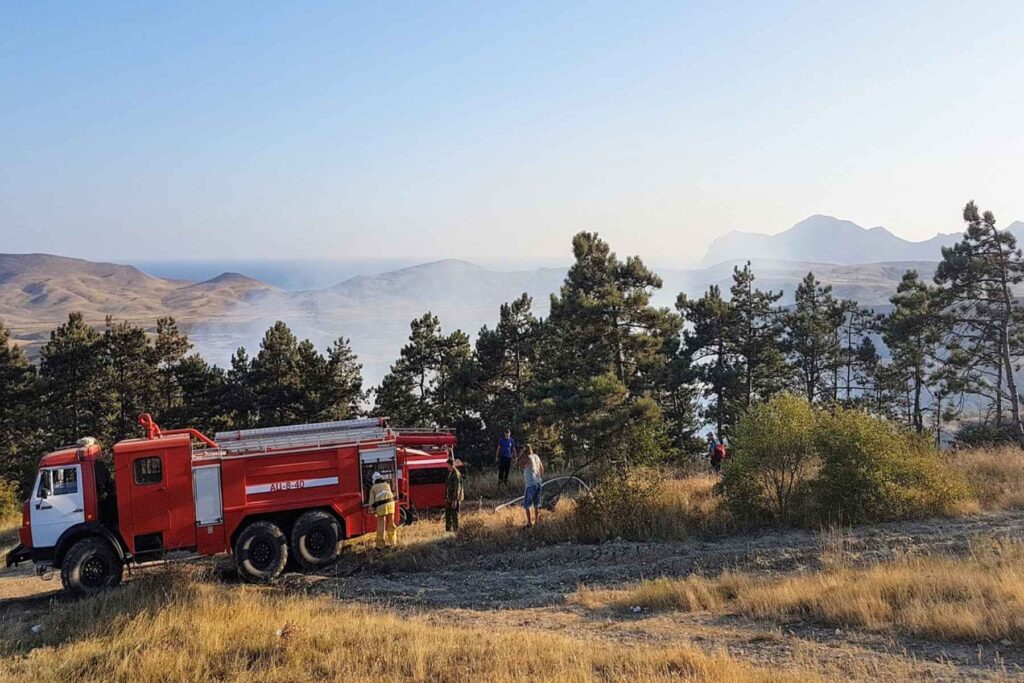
{"x":717,"y":452}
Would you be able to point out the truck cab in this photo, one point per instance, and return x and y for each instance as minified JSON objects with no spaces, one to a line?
{"x":72,"y":499}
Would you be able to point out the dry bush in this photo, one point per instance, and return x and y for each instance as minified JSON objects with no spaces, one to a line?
{"x":9,"y":529}
{"x":995,"y":476}
{"x":173,"y":628}
{"x":10,"y":501}
{"x":10,"y":514}
{"x":650,"y":504}
{"x":972,"y":598}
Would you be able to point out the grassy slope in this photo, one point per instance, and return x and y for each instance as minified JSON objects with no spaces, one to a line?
{"x":176,"y":626}
{"x":173,"y":627}
{"x":978,"y":597}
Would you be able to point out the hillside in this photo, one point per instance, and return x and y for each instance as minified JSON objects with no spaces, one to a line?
{"x":38,"y":291}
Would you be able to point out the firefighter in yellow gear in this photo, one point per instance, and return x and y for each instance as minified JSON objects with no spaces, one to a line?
{"x":382,"y":500}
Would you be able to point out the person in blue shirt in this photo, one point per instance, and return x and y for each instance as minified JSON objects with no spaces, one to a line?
{"x":505,"y":453}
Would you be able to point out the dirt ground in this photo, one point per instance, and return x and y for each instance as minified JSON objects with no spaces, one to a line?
{"x":526,"y":588}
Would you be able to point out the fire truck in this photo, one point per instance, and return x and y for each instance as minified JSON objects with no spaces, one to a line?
{"x":263,"y":495}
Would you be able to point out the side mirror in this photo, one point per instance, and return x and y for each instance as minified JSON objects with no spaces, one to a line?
{"x":44,"y":493}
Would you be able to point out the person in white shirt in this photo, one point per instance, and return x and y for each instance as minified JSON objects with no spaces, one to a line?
{"x":533,"y":471}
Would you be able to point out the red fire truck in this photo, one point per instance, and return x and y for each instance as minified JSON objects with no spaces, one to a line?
{"x":426,"y":462}
{"x":263,"y":495}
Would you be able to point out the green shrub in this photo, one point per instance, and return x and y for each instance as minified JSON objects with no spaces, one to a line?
{"x":793,"y":463}
{"x":771,"y":462}
{"x":873,"y":470}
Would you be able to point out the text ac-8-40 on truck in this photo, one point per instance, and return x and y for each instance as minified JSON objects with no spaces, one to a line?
{"x":263,"y":495}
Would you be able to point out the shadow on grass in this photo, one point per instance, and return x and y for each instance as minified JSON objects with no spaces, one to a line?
{"x":68,"y":619}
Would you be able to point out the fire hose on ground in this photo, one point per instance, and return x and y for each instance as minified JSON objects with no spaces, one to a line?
{"x":550,"y":500}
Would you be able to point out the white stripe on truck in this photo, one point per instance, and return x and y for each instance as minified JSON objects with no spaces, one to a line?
{"x":291,"y":485}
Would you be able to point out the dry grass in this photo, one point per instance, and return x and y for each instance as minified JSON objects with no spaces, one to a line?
{"x":977,"y":597}
{"x":174,"y":628}
{"x":995,"y":475}
{"x":9,"y":527}
{"x":484,"y":485}
{"x":685,"y":508}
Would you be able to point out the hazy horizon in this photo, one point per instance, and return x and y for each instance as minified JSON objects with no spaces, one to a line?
{"x":418,"y":132}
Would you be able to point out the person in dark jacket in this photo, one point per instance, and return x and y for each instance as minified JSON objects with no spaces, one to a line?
{"x":453,"y":496}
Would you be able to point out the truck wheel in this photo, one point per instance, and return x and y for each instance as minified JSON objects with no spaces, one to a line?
{"x":261,"y":552}
{"x":406,"y":516}
{"x":316,"y":539}
{"x":90,"y":566}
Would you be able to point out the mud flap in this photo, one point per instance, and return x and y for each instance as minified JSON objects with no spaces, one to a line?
{"x":18,"y":554}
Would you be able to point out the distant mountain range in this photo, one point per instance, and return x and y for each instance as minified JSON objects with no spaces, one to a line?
{"x":38,"y":291}
{"x":824,"y":239}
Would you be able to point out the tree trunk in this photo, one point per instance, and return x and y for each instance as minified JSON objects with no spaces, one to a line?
{"x":918,"y":419}
{"x":1011,"y":385}
{"x":619,"y":369}
{"x":999,"y":384}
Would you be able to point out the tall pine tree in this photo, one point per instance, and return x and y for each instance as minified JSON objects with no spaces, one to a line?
{"x":976,"y":278}
{"x":811,"y":339}
{"x":73,"y":370}
{"x":131,"y":378}
{"x":276,"y":377}
{"x":598,"y":357}
{"x":912,"y":331}
{"x":20,"y":412}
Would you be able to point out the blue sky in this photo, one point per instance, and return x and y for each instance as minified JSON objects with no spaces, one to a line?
{"x":496,"y":130}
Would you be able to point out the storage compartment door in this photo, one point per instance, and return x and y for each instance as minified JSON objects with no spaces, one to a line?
{"x":206,"y":486}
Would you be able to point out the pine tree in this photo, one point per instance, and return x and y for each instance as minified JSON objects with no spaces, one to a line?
{"x":858,"y":354}
{"x":913,"y":333}
{"x":976,"y":277}
{"x":276,"y":377}
{"x":598,"y":357}
{"x":132,"y":378}
{"x":710,"y":341}
{"x":506,"y":358}
{"x":168,"y":350}
{"x":811,"y":338}
{"x":396,"y":398}
{"x":757,"y":332}
{"x":240,"y":404}
{"x":206,"y":400}
{"x":343,"y":389}
{"x":427,"y":385}
{"x":455,"y":375}
{"x":73,"y":369}
{"x":312,"y":369}
{"x":20,"y":412}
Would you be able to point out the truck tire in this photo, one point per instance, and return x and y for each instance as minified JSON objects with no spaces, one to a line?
{"x":90,"y":566}
{"x":316,"y":539}
{"x":261,"y":552}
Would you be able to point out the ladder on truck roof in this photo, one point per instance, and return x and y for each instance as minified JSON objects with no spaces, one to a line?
{"x":303,"y":436}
